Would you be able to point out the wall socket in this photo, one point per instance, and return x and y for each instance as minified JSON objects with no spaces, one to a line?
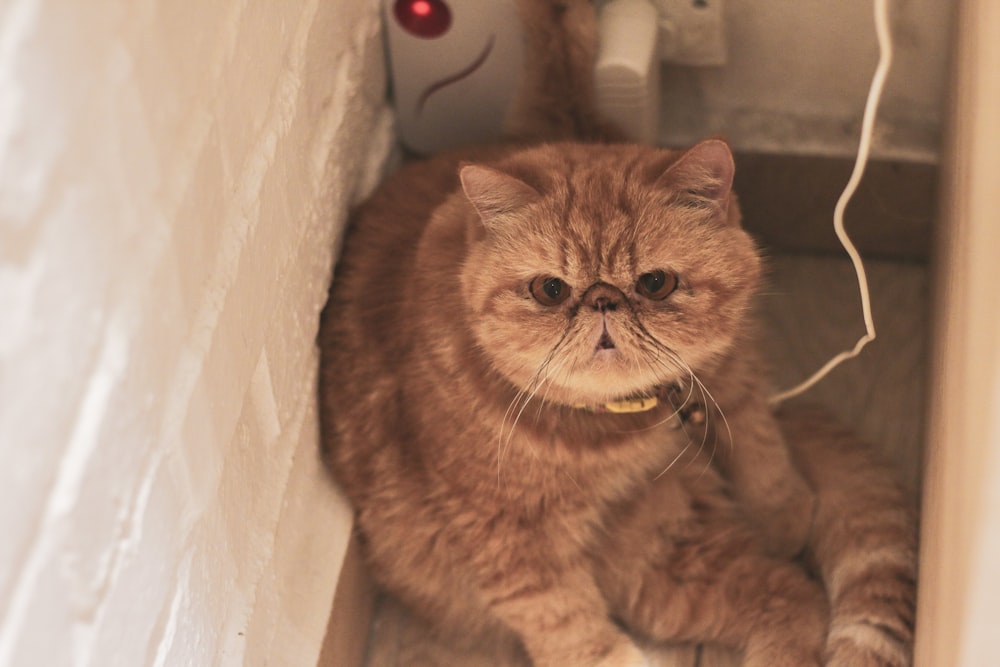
{"x":691,"y":32}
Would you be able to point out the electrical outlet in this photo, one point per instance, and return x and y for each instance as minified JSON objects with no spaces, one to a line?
{"x":691,"y":32}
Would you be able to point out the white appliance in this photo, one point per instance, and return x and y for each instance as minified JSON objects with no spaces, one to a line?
{"x":455,"y":66}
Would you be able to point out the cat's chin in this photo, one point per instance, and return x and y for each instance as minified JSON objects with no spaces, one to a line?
{"x":598,"y":388}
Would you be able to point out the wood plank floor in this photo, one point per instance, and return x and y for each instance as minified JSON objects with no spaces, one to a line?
{"x":810,"y":311}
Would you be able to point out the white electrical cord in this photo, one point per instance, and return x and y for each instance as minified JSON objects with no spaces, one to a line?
{"x":864,"y":147}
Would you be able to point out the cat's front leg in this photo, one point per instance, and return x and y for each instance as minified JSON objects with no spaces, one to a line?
{"x":560,"y":628}
{"x":753,"y":456}
{"x":607,"y":647}
{"x":560,"y":616}
{"x":681,"y":563}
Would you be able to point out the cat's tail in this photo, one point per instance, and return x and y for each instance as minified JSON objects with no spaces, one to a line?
{"x":556,"y":100}
{"x":863,"y":543}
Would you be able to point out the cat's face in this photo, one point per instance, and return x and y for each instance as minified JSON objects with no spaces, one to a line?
{"x":603,"y":272}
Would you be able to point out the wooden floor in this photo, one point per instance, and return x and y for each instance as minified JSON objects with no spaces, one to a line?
{"x":811,"y":310}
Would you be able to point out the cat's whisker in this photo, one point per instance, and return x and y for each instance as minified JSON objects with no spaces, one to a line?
{"x":524,"y":398}
{"x":546,"y":382}
{"x":673,"y":415}
{"x":573,"y":479}
{"x":563,"y":370}
{"x":521,"y":395}
{"x":706,"y":426}
{"x":706,"y":397}
{"x":500,"y":440}
{"x":673,"y":462}
{"x":660,"y":368}
{"x":695,"y":384}
{"x":718,"y":408}
{"x":550,"y":378}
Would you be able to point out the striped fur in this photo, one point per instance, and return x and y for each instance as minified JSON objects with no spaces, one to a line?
{"x":863,"y":543}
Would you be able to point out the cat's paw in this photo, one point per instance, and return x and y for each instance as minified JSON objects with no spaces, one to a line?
{"x":787,"y":517}
{"x":869,"y":643}
{"x":624,"y":654}
{"x":855,"y":657}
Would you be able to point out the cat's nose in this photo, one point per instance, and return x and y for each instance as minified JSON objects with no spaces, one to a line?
{"x":603,"y":303}
{"x":603,"y":298}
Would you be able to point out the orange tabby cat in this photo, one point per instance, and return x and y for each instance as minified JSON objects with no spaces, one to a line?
{"x":539,"y":390}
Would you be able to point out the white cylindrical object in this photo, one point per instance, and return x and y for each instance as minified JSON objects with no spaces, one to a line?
{"x":626,"y":77}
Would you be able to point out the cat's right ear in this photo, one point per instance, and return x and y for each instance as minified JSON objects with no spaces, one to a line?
{"x":493,"y":193}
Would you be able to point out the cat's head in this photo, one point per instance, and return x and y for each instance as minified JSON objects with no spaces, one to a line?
{"x":600,"y":272}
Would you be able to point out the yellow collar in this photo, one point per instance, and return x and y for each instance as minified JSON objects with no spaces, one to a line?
{"x":625,"y":406}
{"x":687,"y":410}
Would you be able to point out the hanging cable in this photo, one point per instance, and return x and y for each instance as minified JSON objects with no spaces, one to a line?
{"x":864,"y":148}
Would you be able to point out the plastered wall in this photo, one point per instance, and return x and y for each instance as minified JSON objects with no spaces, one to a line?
{"x":798,"y":73}
{"x":173,"y":177}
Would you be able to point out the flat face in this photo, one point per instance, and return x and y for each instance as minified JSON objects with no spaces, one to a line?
{"x":607,"y":275}
{"x":455,"y":66}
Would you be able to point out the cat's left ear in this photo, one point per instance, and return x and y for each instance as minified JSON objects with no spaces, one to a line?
{"x":704,"y":172}
{"x":494,"y":193}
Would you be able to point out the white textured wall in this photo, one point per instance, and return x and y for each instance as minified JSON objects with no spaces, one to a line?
{"x":798,"y":74}
{"x":173,"y":174}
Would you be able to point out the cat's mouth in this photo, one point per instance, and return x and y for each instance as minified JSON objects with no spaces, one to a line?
{"x":605,"y":348}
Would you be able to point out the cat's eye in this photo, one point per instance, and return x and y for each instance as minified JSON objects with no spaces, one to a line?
{"x":656,"y":285}
{"x":549,"y":291}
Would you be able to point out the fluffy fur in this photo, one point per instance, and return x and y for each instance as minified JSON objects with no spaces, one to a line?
{"x":464,"y":412}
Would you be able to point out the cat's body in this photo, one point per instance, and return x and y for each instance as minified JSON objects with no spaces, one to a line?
{"x":493,"y":310}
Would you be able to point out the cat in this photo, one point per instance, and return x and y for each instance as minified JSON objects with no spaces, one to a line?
{"x":540,"y":391}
